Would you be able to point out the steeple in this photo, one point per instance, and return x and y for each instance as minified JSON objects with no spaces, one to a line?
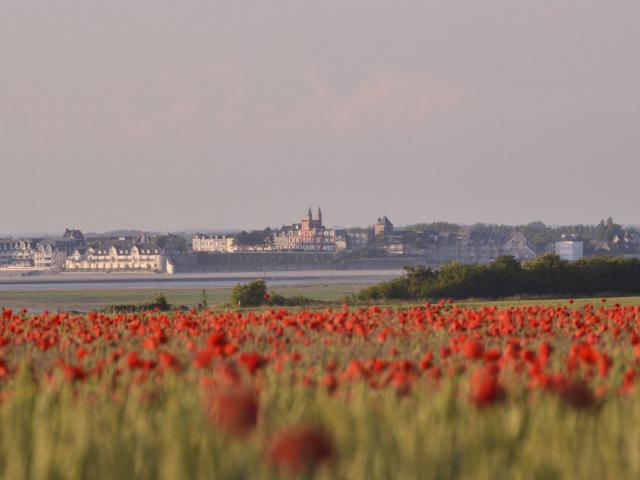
{"x":319,"y":216}
{"x":310,"y":215}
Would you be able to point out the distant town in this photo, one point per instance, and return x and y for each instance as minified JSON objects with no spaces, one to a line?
{"x":309,"y":244}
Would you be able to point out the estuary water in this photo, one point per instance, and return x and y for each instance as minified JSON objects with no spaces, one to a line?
{"x":121,"y":281}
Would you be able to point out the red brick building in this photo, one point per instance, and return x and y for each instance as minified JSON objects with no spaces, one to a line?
{"x":308,"y":235}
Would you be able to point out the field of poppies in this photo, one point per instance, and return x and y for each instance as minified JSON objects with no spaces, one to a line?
{"x":430,"y":391}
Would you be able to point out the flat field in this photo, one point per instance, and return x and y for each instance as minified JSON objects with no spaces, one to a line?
{"x":96,"y":299}
{"x":88,"y":300}
{"x":530,"y":390}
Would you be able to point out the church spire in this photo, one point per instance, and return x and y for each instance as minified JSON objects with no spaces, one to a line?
{"x":319,"y":216}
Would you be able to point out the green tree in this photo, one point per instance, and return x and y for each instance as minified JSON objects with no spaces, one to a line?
{"x":251,"y":294}
{"x":161,"y":302}
{"x":172,"y":243}
{"x":504,"y":277}
{"x":416,"y":278}
{"x":255,"y":237}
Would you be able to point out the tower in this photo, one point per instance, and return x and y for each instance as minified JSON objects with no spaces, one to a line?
{"x":319,"y":216}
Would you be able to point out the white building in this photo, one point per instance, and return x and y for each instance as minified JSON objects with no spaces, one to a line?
{"x":394,"y":246}
{"x":17,"y":253}
{"x":213,"y":243}
{"x":571,"y":250}
{"x":48,"y":257}
{"x":36,"y":254}
{"x":118,"y":256}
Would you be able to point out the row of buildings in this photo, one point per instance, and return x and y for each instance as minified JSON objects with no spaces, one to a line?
{"x":311,"y":235}
{"x":75,"y":253}
{"x":39,"y":253}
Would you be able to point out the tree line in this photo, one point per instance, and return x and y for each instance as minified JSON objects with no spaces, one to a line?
{"x":547,"y":275}
{"x":537,"y":233}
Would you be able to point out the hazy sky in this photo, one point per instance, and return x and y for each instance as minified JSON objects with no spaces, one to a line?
{"x":167,"y":115}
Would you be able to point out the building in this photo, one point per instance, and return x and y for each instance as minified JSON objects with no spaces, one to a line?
{"x":213,"y":243}
{"x":466,"y":247}
{"x":571,"y":250}
{"x":393,"y":243}
{"x":48,"y":256}
{"x":519,"y":247}
{"x":598,"y":247}
{"x":340,"y":240}
{"x":625,"y":241}
{"x":383,"y":227}
{"x":74,"y":238}
{"x":117,"y":255}
{"x":51,"y":254}
{"x":255,"y":247}
{"x":353,"y":238}
{"x":39,"y":254}
{"x":475,"y":247}
{"x":17,"y":253}
{"x":394,"y":246}
{"x":309,"y":235}
{"x":358,"y":237}
{"x":170,"y":267}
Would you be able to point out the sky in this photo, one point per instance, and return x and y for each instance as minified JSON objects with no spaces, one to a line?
{"x":165,"y":115}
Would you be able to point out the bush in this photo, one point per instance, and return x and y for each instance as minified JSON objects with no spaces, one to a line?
{"x":505,"y":276}
{"x":160,"y":302}
{"x":255,"y":294}
{"x":277,"y":300}
{"x":251,"y":294}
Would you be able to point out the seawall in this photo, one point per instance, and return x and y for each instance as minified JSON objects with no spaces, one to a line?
{"x":283,"y":261}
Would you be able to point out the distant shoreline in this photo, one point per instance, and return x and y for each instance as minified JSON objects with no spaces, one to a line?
{"x":281,"y":277}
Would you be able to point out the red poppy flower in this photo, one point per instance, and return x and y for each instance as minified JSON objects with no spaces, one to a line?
{"x":252,"y":361}
{"x":484,"y":388}
{"x":134,"y":361}
{"x":302,"y":449}
{"x":472,"y":350}
{"x":235,"y":412}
